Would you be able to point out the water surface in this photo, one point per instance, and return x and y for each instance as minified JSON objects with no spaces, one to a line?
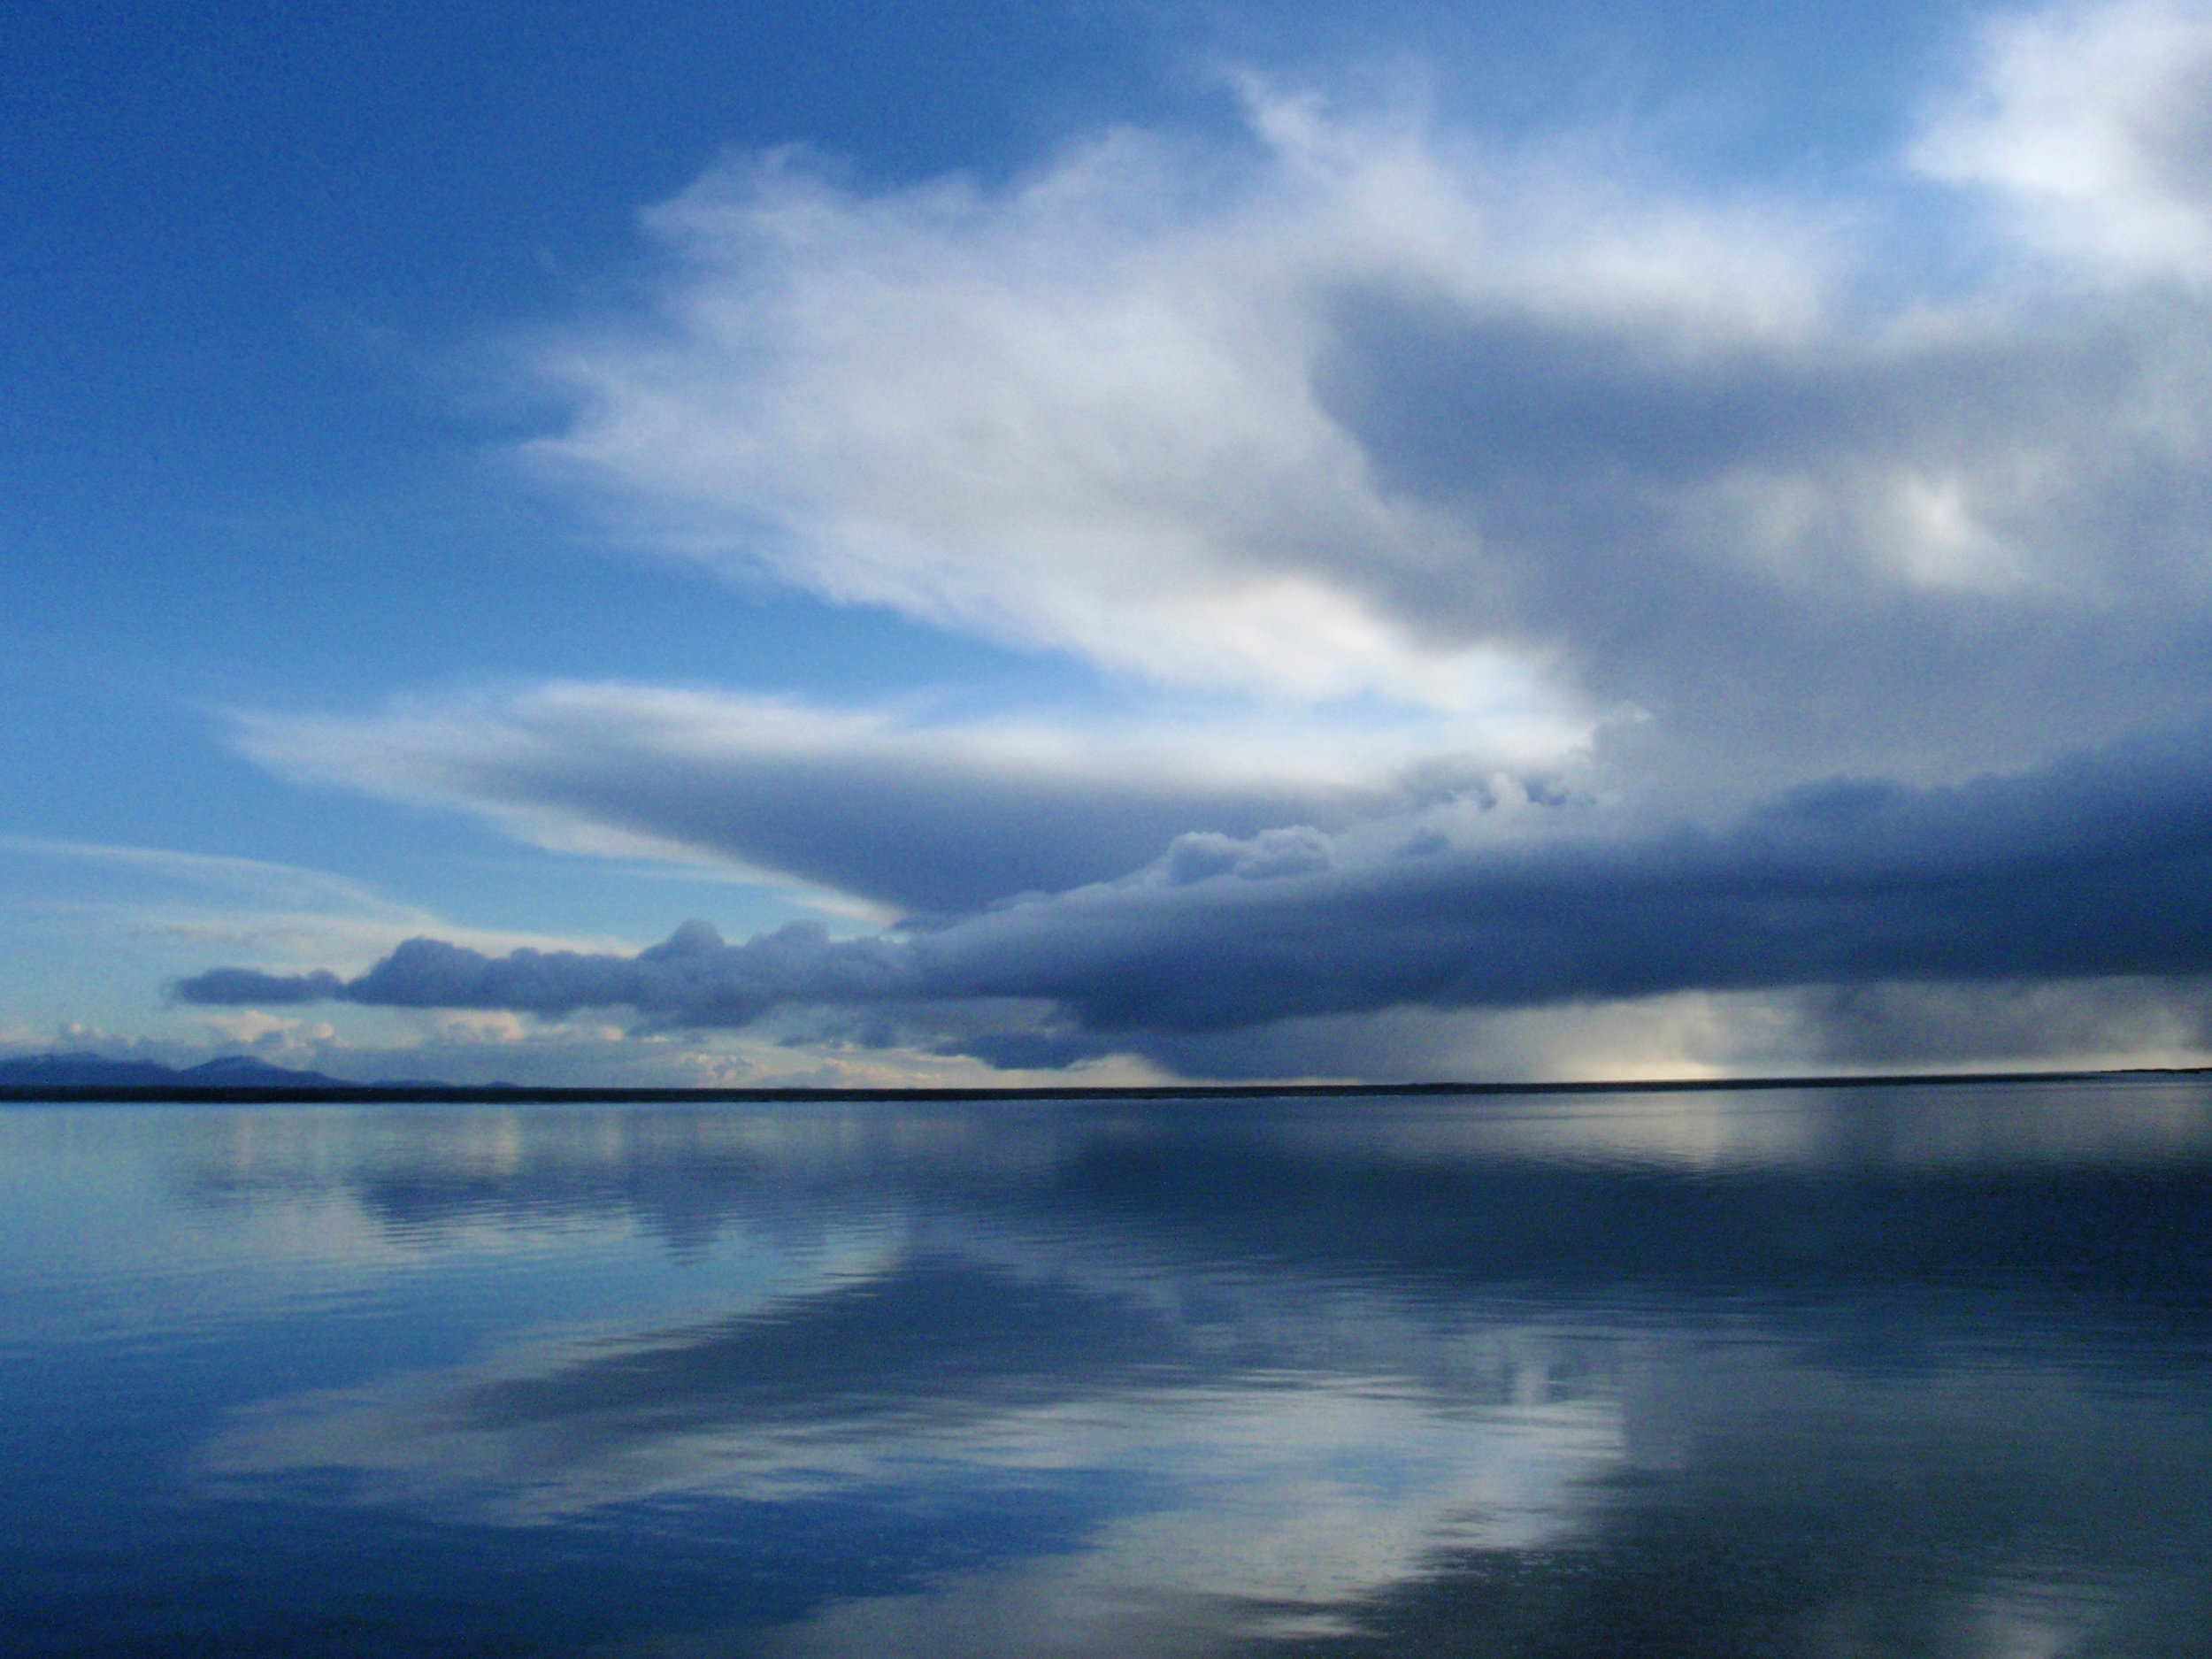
{"x":1850,"y":1372}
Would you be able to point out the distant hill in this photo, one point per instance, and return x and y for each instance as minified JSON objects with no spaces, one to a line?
{"x":91,"y":1070}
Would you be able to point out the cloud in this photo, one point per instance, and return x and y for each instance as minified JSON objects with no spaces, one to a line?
{"x":1783,"y":556}
{"x":1516,"y":577}
{"x":259,"y":880}
{"x":1071,"y":414}
{"x":287,"y":910}
{"x":900,"y":807}
{"x":231,"y":987}
{"x":2092,"y":867}
{"x":1369,"y":409}
{"x":2092,"y":124}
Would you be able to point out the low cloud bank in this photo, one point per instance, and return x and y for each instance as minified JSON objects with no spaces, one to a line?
{"x":2098,"y":865}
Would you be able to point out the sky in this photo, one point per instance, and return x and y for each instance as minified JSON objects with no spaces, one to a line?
{"x":882,"y":544}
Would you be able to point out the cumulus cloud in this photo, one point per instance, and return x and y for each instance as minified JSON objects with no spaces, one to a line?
{"x":2094,"y":866}
{"x":1070,"y":414}
{"x":1370,"y":408}
{"x":2094,"y":125}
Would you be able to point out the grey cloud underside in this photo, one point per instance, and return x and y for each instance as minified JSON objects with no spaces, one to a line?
{"x":1710,"y":530}
{"x":926,"y":838}
{"x":2100,"y":864}
{"x":932,"y":823}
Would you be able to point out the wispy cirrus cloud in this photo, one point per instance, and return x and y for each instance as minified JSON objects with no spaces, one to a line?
{"x":279,"y":910}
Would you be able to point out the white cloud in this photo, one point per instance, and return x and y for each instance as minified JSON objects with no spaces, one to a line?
{"x":1082,"y":413}
{"x":1494,"y":438}
{"x":2094,"y":124}
{"x":251,"y":1028}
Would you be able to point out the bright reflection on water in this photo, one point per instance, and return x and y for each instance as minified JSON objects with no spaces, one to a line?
{"x":1790,"y":1372}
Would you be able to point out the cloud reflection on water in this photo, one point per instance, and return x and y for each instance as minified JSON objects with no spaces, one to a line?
{"x":1849,"y":1372}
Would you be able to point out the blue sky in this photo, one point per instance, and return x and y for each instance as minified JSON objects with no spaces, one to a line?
{"x":1325,"y":541}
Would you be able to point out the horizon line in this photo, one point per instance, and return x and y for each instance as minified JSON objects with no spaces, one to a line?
{"x":519,"y":1094}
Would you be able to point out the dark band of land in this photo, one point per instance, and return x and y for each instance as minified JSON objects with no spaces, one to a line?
{"x":517,"y":1095}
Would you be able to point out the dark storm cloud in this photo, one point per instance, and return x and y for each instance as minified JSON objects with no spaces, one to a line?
{"x":2100,"y":864}
{"x":230,"y":988}
{"x":692,"y":978}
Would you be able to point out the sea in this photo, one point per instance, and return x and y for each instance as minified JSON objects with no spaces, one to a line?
{"x":1807,"y":1370}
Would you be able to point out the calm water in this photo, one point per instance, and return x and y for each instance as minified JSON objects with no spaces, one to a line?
{"x":1791,"y":1372}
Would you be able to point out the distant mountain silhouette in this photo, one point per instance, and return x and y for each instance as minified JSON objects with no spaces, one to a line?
{"x":92,"y":1070}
